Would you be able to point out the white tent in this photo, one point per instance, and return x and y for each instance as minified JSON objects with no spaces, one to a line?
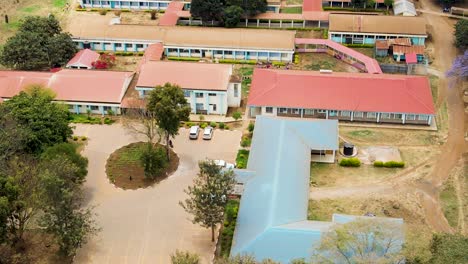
{"x":404,"y":7}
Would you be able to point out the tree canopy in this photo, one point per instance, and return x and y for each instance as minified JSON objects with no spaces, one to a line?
{"x":44,"y":123}
{"x":232,"y":15}
{"x":169,"y":106}
{"x":449,"y":248}
{"x":208,"y":196}
{"x":461,"y":34}
{"x":38,"y":44}
{"x":207,"y":10}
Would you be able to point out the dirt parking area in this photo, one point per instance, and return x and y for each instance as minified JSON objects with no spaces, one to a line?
{"x":146,"y":225}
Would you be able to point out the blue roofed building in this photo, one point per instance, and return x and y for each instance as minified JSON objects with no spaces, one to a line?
{"x":272,"y":219}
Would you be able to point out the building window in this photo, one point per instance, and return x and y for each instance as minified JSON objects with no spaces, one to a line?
{"x":139,"y":46}
{"x":269,"y":110}
{"x":423,"y":117}
{"x":295,"y":111}
{"x":211,"y":94}
{"x":199,"y":95}
{"x":199,"y":106}
{"x":186,"y":93}
{"x":213,"y":107}
{"x":397,"y":116}
{"x":345,"y":113}
{"x":94,"y":107}
{"x":236,"y":90}
{"x":118,"y":45}
{"x":128,"y":45}
{"x":371,"y":115}
{"x":358,"y":114}
{"x":71,"y":107}
{"x":410,"y":117}
{"x":321,"y":111}
{"x":385,"y":115}
{"x":308,"y":111}
{"x":282,"y":110}
{"x":333,"y":113}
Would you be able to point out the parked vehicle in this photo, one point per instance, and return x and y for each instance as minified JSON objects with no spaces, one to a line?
{"x":446,"y":10}
{"x":194,"y":130}
{"x":224,"y":164}
{"x":208,"y":133}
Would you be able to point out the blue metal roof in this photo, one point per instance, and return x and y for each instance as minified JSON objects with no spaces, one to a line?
{"x":272,"y":218}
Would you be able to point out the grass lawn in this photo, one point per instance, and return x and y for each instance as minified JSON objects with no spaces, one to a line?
{"x":448,"y":198}
{"x":245,"y":72}
{"x":393,"y":137}
{"x":294,"y":2}
{"x":291,"y":10}
{"x":230,"y":218}
{"x":124,"y":169}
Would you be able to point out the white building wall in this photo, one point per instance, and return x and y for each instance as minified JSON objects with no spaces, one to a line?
{"x":233,"y":97}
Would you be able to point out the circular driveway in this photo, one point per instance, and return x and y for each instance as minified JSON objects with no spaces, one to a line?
{"x":146,"y":225}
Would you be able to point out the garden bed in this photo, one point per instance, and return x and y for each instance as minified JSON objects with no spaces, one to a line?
{"x":227,"y":233}
{"x":124,"y":169}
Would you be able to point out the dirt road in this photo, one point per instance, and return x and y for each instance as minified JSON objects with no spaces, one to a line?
{"x":428,"y":188}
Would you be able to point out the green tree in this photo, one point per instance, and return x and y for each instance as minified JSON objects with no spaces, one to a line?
{"x":169,"y":106}
{"x":207,"y":10}
{"x":250,"y":7}
{"x":184,"y":257}
{"x":232,"y":16}
{"x":153,"y":160}
{"x":449,"y":248}
{"x":63,"y":214}
{"x":8,"y":196}
{"x":246,"y":259}
{"x":45,"y":123}
{"x":362,"y":241}
{"x":461,"y":34}
{"x":69,"y":151}
{"x":39,"y":44}
{"x":388,"y":3}
{"x":12,"y":138}
{"x":208,"y":195}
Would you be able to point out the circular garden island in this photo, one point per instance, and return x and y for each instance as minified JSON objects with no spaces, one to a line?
{"x":139,"y":165}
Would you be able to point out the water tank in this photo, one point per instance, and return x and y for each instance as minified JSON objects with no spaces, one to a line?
{"x":348,"y":149}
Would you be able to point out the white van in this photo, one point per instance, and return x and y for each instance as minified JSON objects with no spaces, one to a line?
{"x":193,"y":134}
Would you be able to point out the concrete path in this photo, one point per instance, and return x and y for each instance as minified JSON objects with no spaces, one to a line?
{"x":147,"y":225}
{"x":440,"y":13}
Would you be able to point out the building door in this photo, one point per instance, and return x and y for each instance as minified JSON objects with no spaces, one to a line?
{"x":112,"y":4}
{"x":86,"y":45}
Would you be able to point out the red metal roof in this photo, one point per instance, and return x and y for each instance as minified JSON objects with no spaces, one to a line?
{"x":372,"y":66}
{"x":171,"y":15}
{"x":405,"y":49}
{"x":341,"y":91}
{"x":312,"y":5}
{"x":411,"y":58}
{"x":84,"y":57}
{"x":188,"y":75}
{"x":70,"y":85}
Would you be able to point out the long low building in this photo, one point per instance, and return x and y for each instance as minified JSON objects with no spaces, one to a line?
{"x":366,"y":29}
{"x":209,"y":88}
{"x":82,"y":90}
{"x":353,"y":97}
{"x":190,"y":42}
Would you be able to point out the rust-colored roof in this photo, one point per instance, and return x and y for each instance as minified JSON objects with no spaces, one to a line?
{"x":312,"y":5}
{"x":400,"y":41}
{"x":377,"y":24}
{"x":315,"y":15}
{"x":170,"y":16}
{"x":341,"y":91}
{"x":188,"y":75}
{"x":84,"y":57}
{"x":405,"y":49}
{"x":70,"y":85}
{"x":381,"y":44}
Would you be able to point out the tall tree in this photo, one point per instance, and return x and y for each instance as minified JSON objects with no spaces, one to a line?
{"x":45,"y":122}
{"x":207,"y":10}
{"x":449,"y":248}
{"x":250,"y":7}
{"x":68,"y":151}
{"x":232,"y":16}
{"x":170,"y":107}
{"x":208,"y":195}
{"x":461,"y":34}
{"x":362,"y":241}
{"x":142,"y":122}
{"x":63,"y":212}
{"x":459,"y":67}
{"x":38,"y":44}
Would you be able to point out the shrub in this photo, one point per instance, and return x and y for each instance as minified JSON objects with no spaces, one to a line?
{"x":153,"y":14}
{"x":237,"y":115}
{"x":389,"y":164}
{"x":182,"y":59}
{"x":154,"y":160}
{"x":246,"y":141}
{"x":251,"y":127}
{"x":94,"y":9}
{"x":296,"y":58}
{"x":226,"y":127}
{"x":222,"y":125}
{"x":231,"y":61}
{"x":278,"y":63}
{"x":140,"y":53}
{"x":201,"y":117}
{"x":203,"y":125}
{"x":350,"y":162}
{"x":75,"y":138}
{"x":83,"y":138}
{"x":117,"y":12}
{"x":80,"y":9}
{"x":189,"y":124}
{"x":125,"y":10}
{"x":242,"y":158}
{"x":108,"y":121}
{"x":212,"y":124}
{"x":103,"y":12}
{"x":359,"y":45}
{"x":110,"y":112}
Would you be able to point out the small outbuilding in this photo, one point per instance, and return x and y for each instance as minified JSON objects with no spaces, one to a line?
{"x":84,"y":59}
{"x":404,"y":8}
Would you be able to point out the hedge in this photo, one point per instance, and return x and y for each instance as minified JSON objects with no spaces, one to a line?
{"x":251,"y":62}
{"x":350,"y":162}
{"x":229,"y":225}
{"x":182,"y":59}
{"x":389,"y":164}
{"x":359,"y":45}
{"x":242,"y":158}
{"x":325,"y":8}
{"x":278,"y":63}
